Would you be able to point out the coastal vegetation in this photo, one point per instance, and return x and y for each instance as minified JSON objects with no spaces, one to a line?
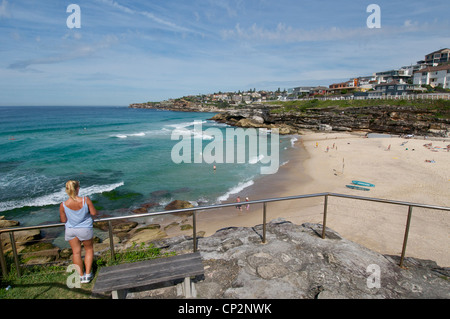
{"x":442,"y":107}
{"x":50,"y":281}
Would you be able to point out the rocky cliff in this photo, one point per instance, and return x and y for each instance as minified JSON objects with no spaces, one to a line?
{"x":381,"y":119}
{"x":296,"y":263}
{"x":392,"y":119}
{"x":179,"y":105}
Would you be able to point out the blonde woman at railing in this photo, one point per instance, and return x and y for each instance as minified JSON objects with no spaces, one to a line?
{"x":76,"y":212}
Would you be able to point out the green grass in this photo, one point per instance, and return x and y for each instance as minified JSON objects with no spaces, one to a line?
{"x":50,"y":282}
{"x":442,"y":107}
{"x":42,"y":282}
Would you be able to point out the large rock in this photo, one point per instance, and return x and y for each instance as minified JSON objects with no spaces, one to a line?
{"x":296,"y":263}
{"x":39,"y":253}
{"x":146,"y":235}
{"x":21,"y":238}
{"x":4,"y":223}
{"x":180,"y":204}
{"x":381,"y":118}
{"x":117,"y":225}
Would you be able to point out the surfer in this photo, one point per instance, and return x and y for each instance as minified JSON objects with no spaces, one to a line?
{"x":76,"y":213}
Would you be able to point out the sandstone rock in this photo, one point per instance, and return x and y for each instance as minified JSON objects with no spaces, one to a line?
{"x":21,"y":238}
{"x":105,"y":244}
{"x":4,"y":223}
{"x":117,"y":225}
{"x":39,"y":253}
{"x":180,"y":204}
{"x":124,"y":226}
{"x":382,"y":118}
{"x":149,"y":205}
{"x":296,"y":263}
{"x":140,"y":210}
{"x":147,"y":235}
{"x":171,"y":225}
{"x":186,"y":227}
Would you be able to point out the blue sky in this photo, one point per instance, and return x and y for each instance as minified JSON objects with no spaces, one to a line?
{"x":138,"y":51}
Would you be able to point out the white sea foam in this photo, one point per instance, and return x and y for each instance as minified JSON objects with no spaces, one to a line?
{"x":57,"y":197}
{"x":182,"y":129}
{"x":293,"y":140}
{"x":234,"y":190}
{"x":255,"y":160}
{"x":184,"y":124}
{"x":128,"y":135}
{"x":284,"y":163}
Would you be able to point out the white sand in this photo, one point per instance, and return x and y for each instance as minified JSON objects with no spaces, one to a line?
{"x":400,"y":173}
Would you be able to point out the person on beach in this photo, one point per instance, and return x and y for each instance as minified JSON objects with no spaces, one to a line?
{"x":76,"y":212}
{"x":238,"y":200}
{"x":248,"y":205}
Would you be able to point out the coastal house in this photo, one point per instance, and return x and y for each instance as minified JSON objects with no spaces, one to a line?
{"x":393,"y":88}
{"x":438,"y":57}
{"x":351,"y":84}
{"x":300,"y":90}
{"x":434,"y":76}
{"x":401,"y":75}
{"x":366,"y":83}
{"x":319,"y":90}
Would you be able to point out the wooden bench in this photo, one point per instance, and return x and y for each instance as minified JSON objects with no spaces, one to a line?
{"x":118,"y":279}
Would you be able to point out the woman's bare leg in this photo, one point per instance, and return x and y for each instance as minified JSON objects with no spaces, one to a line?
{"x":75,"y":244}
{"x":89,"y":257}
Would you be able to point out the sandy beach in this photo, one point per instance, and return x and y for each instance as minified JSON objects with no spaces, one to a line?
{"x":401,"y":169}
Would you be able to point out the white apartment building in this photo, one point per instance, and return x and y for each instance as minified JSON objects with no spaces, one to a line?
{"x":434,"y":76}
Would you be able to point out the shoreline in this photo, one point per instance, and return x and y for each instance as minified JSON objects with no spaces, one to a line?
{"x":402,"y":169}
{"x":400,"y":172}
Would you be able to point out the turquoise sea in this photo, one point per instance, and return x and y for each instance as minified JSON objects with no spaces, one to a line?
{"x":121,"y":156}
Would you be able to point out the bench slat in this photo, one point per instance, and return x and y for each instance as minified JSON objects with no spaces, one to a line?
{"x":148,"y":272}
{"x":150,"y":275}
{"x":160,"y":262}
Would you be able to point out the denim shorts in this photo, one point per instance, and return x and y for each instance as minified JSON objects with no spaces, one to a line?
{"x":81,"y":233}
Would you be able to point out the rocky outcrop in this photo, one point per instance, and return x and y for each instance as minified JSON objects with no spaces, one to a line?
{"x":382,"y":118}
{"x":385,"y":119}
{"x":179,"y":204}
{"x":296,"y":263}
{"x":4,"y":223}
{"x":180,"y":105}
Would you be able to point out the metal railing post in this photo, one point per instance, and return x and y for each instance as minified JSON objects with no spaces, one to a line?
{"x":405,"y":239}
{"x":2,"y":259}
{"x":111,"y":240}
{"x":14,"y":250}
{"x":194,"y":227}
{"x":325,"y":209}
{"x":264,"y":222}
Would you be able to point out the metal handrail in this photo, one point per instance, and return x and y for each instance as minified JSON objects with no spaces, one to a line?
{"x":199,"y":208}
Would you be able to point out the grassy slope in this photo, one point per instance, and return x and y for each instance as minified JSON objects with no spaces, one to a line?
{"x":442,"y":107}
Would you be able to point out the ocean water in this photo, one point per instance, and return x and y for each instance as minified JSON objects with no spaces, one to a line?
{"x":121,"y":156}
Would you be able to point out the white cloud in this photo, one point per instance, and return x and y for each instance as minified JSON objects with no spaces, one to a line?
{"x":159,"y":20}
{"x":287,"y":34}
{"x":80,"y":51}
{"x":4,"y":13}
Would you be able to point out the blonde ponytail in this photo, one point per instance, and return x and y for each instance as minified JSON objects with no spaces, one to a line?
{"x":72,"y":189}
